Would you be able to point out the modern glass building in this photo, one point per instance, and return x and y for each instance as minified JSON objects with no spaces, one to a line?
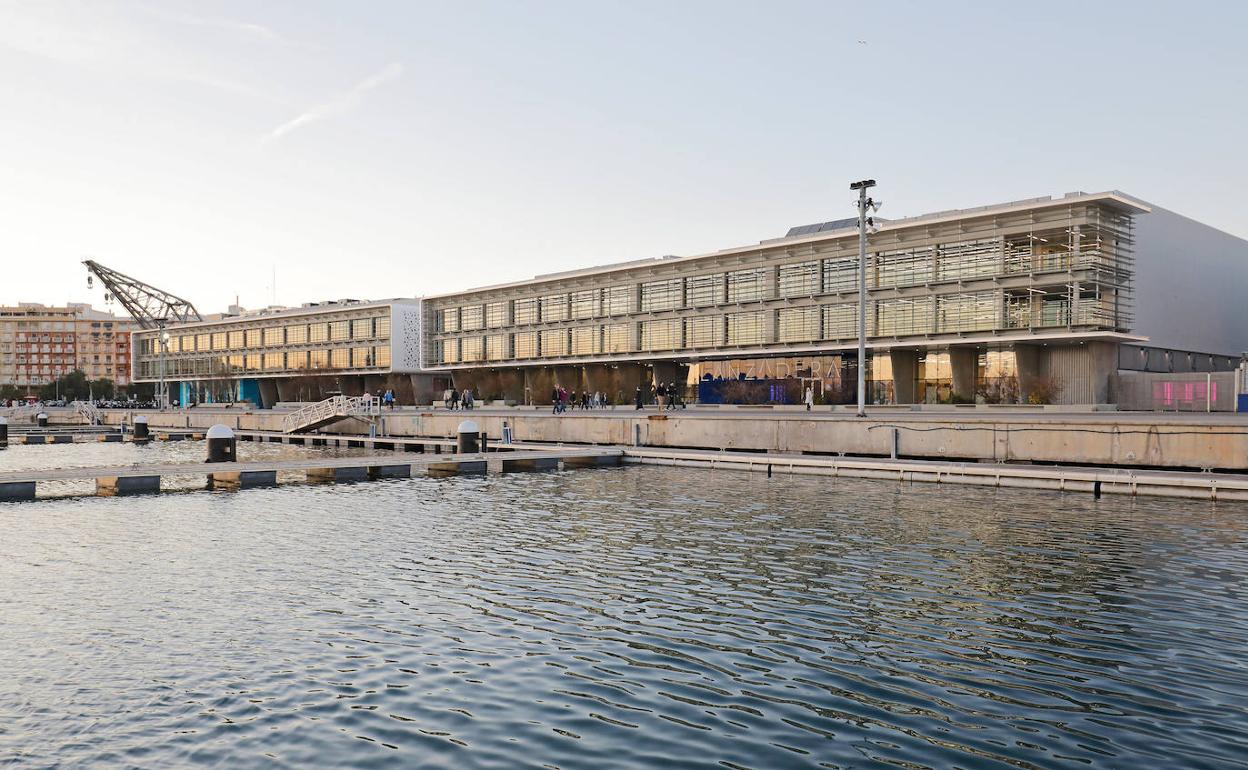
{"x":288,"y":355}
{"x":1032,"y":300}
{"x":990,"y":302}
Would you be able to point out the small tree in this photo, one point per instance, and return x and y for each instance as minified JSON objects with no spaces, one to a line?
{"x":1044,"y":390}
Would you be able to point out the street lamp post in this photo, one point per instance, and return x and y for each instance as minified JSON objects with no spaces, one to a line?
{"x":863,"y":222}
{"x":162,"y":340}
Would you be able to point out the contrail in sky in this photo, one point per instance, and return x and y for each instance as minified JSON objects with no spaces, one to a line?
{"x":338,"y":105}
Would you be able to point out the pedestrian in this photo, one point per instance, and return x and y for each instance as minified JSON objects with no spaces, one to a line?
{"x":671,"y":396}
{"x":454,"y":399}
{"x":554,"y":400}
{"x":639,"y":403}
{"x":660,"y":395}
{"x":810,"y":397}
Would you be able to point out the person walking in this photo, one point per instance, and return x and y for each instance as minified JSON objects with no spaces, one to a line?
{"x":554,"y":400}
{"x":810,"y":397}
{"x":671,"y":396}
{"x":639,"y":401}
{"x":454,"y":399}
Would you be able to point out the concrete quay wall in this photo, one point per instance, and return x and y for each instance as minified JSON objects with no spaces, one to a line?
{"x":1101,"y":439}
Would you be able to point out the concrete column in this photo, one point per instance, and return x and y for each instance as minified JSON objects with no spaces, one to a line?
{"x":1103,"y":365}
{"x":965,"y":364}
{"x":268,"y":393}
{"x":1033,"y":363}
{"x":539,"y":381}
{"x":423,"y":389}
{"x":905,"y":372}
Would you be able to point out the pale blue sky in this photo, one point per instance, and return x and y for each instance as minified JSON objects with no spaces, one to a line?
{"x":396,"y":149}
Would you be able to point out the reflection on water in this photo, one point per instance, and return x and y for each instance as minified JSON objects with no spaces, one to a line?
{"x":638,"y":618}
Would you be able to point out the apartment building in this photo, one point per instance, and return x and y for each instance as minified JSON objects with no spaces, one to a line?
{"x":40,"y":343}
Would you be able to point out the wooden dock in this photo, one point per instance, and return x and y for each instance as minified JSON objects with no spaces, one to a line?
{"x":140,"y":479}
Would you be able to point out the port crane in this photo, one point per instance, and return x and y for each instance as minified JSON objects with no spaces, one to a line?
{"x":151,"y":308}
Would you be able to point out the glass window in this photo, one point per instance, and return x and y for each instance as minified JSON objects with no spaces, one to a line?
{"x":525,"y":311}
{"x":554,"y":342}
{"x":662,"y":295}
{"x":797,"y":324}
{"x":297,"y":360}
{"x":969,"y":259}
{"x":339,"y":358}
{"x":296,"y":335}
{"x":234,"y":340}
{"x":252,"y":362}
{"x":448,"y":319}
{"x":318,"y":332}
{"x":362,"y":329}
{"x":747,"y":285}
{"x":707,"y":331}
{"x":496,"y":347}
{"x":496,"y":314}
{"x":967,"y":312}
{"x":471,"y":349}
{"x":381,"y":355}
{"x":381,"y":325}
{"x":218,"y":341}
{"x":800,"y":280}
{"x":339,"y":331}
{"x":747,"y":328}
{"x":898,"y":317}
{"x":617,"y":338}
{"x":585,"y":304}
{"x":274,"y":361}
{"x":471,"y":318}
{"x":555,"y":308}
{"x":274,"y":336}
{"x":617,"y":300}
{"x":362,"y":358}
{"x":251,"y":338}
{"x":525,"y":344}
{"x":705,"y":290}
{"x":840,"y":274}
{"x":662,"y":334}
{"x":840,"y":322}
{"x":318,"y":359}
{"x":585,"y":340}
{"x":907,"y":267}
{"x":202,"y":342}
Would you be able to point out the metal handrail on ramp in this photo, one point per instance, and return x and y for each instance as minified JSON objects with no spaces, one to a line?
{"x":329,"y":411}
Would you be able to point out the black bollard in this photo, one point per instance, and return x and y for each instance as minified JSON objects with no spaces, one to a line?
{"x":222,"y":445}
{"x":141,"y":432}
{"x":467,"y":443}
{"x":42,"y":419}
{"x":4,"y":432}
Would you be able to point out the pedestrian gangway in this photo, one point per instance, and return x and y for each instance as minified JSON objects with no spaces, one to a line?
{"x":23,"y":412}
{"x":88,"y":411}
{"x":329,"y":411}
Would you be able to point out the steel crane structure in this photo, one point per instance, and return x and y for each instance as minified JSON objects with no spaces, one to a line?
{"x":151,"y":308}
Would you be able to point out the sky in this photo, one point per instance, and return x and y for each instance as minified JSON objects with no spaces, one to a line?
{"x":398,"y":149}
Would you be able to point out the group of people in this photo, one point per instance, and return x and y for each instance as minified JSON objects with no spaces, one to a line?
{"x":386,"y":399}
{"x":561,"y":398}
{"x":456,"y":400}
{"x":668,"y":397}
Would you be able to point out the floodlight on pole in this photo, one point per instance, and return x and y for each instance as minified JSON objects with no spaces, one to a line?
{"x":864,"y":221}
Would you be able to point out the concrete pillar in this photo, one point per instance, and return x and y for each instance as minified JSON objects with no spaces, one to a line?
{"x":287,"y":390}
{"x":1103,"y":367}
{"x":422,"y":389}
{"x":511,"y":385}
{"x":539,"y":381}
{"x":1033,"y":363}
{"x":268,"y":393}
{"x":964,"y":363}
{"x":905,"y":373}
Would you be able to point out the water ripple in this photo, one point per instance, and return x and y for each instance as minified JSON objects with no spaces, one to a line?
{"x":633,"y":618}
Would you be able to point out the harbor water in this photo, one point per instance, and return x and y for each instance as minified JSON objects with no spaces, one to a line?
{"x":640,"y":617}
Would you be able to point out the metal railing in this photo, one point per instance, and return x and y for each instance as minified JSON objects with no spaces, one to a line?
{"x":88,"y":412}
{"x":26,"y":411}
{"x":335,"y":407}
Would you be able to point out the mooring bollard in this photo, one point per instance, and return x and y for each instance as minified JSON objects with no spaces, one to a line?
{"x":42,"y":419}
{"x":4,"y":432}
{"x":506,"y":432}
{"x":141,"y":432}
{"x":222,"y":445}
{"x":467,"y":443}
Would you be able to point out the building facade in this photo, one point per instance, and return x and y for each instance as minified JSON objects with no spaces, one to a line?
{"x":39,"y":344}
{"x":299,"y":354}
{"x":997,"y":303}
